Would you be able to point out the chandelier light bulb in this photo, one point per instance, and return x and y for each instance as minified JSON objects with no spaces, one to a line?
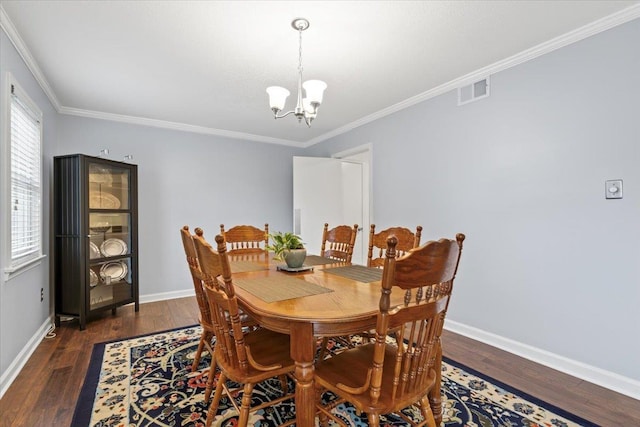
{"x":277,"y":97}
{"x":314,"y":90}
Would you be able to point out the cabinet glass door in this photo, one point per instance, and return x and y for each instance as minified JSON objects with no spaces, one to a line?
{"x":110,"y":276}
{"x":108,"y":187}
{"x":109,"y":234}
{"x":110,"y":258}
{"x":110,"y":282}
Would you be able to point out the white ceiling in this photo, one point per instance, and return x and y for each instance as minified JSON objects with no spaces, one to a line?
{"x":203,"y":66}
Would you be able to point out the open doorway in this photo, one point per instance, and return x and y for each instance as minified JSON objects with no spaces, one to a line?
{"x":361,"y":155}
{"x":334,"y":190}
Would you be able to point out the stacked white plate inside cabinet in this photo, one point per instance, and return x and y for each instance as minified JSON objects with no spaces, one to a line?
{"x":116,"y":270}
{"x":94,"y":252}
{"x":102,"y":200}
{"x":93,"y":278}
{"x":113,"y":247}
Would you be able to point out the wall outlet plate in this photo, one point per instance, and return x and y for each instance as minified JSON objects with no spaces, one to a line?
{"x":613,"y":189}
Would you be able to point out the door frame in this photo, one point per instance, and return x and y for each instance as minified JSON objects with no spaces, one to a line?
{"x":362,"y":154}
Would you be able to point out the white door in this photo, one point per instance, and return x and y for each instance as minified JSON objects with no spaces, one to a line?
{"x":325,"y":191}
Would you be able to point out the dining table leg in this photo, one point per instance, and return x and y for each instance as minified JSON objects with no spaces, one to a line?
{"x":303,"y":349}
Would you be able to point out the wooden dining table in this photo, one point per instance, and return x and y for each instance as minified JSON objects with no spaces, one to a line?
{"x":308,"y":305}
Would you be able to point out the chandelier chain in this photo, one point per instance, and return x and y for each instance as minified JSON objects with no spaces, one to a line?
{"x":300,"y":50}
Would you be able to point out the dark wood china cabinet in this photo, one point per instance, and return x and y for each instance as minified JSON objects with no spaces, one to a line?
{"x":95,"y":231}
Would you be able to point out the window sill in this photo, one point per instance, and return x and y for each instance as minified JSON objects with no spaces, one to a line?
{"x":11,"y":272}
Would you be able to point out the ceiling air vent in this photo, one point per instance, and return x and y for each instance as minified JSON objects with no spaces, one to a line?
{"x":474,"y":91}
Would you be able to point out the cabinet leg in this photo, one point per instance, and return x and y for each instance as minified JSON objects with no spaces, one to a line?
{"x":113,"y":311}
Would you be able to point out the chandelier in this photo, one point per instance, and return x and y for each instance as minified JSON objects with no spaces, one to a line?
{"x":306,"y":108}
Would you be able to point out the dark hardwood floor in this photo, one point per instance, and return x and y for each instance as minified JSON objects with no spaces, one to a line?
{"x":589,"y":401}
{"x":45,"y":392}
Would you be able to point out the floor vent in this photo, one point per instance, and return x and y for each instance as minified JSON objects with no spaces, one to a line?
{"x":474,"y":91}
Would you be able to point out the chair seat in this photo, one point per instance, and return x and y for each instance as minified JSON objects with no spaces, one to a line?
{"x":245,"y":319}
{"x":267,"y":348}
{"x":350,"y":368}
{"x":206,"y":325}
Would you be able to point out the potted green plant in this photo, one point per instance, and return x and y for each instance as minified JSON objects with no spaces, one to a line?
{"x":289,"y":248}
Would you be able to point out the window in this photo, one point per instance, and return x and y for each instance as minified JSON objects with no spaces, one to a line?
{"x":25,"y":166}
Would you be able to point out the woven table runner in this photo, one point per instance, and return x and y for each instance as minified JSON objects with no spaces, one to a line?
{"x":319,"y":260}
{"x":357,"y":272}
{"x":246,"y":266}
{"x":272,"y":289}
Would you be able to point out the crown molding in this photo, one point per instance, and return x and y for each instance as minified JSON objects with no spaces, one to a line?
{"x":26,"y":56}
{"x":603,"y":24}
{"x":176,"y":126}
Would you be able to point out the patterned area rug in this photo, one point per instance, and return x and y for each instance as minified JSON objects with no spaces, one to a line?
{"x":147,"y":381}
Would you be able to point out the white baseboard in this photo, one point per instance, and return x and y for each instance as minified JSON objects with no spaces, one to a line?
{"x":592,"y":374}
{"x":167,"y":295}
{"x":21,"y":359}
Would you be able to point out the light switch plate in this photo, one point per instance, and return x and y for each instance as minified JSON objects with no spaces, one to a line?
{"x":613,"y":189}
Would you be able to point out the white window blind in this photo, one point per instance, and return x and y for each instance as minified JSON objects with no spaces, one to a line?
{"x":26,"y":180}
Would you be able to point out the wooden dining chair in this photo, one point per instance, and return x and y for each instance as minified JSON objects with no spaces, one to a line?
{"x":208,"y":331}
{"x":378,"y":243}
{"x":204,"y":318}
{"x":338,"y":242}
{"x":244,"y":357}
{"x":407,"y":240}
{"x":245,"y":238}
{"x":389,"y":375}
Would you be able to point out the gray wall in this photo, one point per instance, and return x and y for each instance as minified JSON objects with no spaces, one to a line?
{"x":21,"y":312}
{"x":192,"y":179}
{"x":548,"y":262}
